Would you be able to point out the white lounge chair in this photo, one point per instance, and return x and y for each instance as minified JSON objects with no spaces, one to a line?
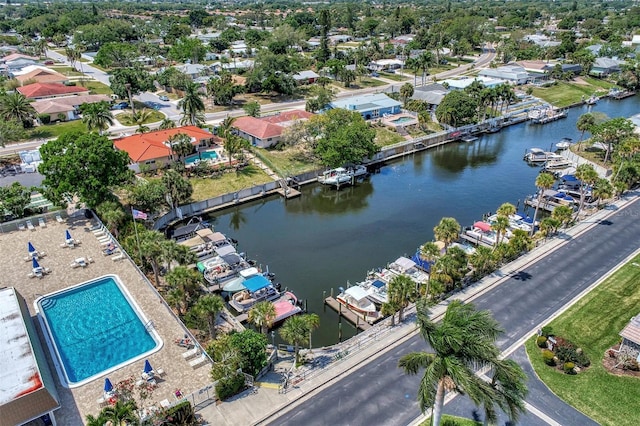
{"x":21,"y":226}
{"x":197,"y":362}
{"x":190,"y":353}
{"x":59,"y":218}
{"x":30,"y":226}
{"x":42,"y":223}
{"x":118,"y":257}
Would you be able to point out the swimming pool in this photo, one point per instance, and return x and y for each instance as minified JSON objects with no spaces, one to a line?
{"x":403,"y":119}
{"x":94,"y":328}
{"x":202,"y":156}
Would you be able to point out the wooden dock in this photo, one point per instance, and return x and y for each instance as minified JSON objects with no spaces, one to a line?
{"x":355,"y":318}
{"x":288,"y":192}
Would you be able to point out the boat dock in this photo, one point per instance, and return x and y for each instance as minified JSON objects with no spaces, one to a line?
{"x":353,"y":317}
{"x":622,"y":94}
{"x":476,"y":241}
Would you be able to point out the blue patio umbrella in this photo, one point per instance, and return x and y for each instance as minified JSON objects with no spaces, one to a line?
{"x":31,"y":248}
{"x":67,"y":235}
{"x":34,"y":263}
{"x":147,"y":367}
{"x":108,"y":387}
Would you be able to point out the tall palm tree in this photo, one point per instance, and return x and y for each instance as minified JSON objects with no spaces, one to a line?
{"x":562,"y":214}
{"x":544,"y":181}
{"x":97,"y":116}
{"x":585,"y":122}
{"x":500,"y":225}
{"x":185,"y":279}
{"x":210,"y":306}
{"x":262,"y":315}
{"x":402,"y":291}
{"x":112,"y":215}
{"x":192,"y":106}
{"x":296,"y":331}
{"x":313,"y":322}
{"x":175,"y":298}
{"x":510,"y":390}
{"x":406,"y":91}
{"x":181,"y":145}
{"x":462,"y":342}
{"x":587,"y":176}
{"x":123,"y":412}
{"x":72,"y":55}
{"x":447,"y":231}
{"x":167,"y":123}
{"x":483,"y":261}
{"x":15,"y":106}
{"x":506,"y":210}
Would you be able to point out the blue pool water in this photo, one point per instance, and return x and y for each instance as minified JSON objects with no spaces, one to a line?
{"x":94,"y":328}
{"x":202,"y":156}
{"x":401,"y":120}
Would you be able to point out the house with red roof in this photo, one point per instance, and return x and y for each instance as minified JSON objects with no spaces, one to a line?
{"x":50,"y":90}
{"x":67,"y":107}
{"x":267,"y":131}
{"x":153,"y":149}
{"x":40,"y":75}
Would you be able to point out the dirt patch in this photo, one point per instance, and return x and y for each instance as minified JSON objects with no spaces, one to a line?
{"x":609,"y":363}
{"x":580,"y":80}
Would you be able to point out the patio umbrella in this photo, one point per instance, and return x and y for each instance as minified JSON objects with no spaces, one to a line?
{"x":31,"y":248}
{"x":35,"y":264}
{"x":108,"y":387}
{"x":67,"y":235}
{"x":147,"y":367}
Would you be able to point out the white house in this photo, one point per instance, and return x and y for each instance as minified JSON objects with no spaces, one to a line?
{"x":514,"y":74}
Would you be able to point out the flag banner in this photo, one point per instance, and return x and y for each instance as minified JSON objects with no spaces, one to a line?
{"x":137,"y":214}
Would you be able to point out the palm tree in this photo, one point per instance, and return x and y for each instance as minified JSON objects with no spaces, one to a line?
{"x":602,"y":190}
{"x":447,"y":231}
{"x":262,"y":315}
{"x":112,"y":215}
{"x":174,"y":297}
{"x":15,"y":106}
{"x":506,"y":210}
{"x":587,"y":176}
{"x":185,"y":279}
{"x":483,"y":261}
{"x":313,"y":322}
{"x":296,"y":331}
{"x":181,"y":145}
{"x":585,"y":123}
{"x":151,"y":250}
{"x":462,"y":342}
{"x":96,"y":421}
{"x":544,"y":181}
{"x":562,"y":214}
{"x":402,"y":291}
{"x":192,"y":106}
{"x":500,"y":225}
{"x":167,"y":123}
{"x":210,"y":306}
{"x":509,"y":386}
{"x":123,"y":412}
{"x":97,"y":116}
{"x":406,"y":91}
{"x":429,"y":251}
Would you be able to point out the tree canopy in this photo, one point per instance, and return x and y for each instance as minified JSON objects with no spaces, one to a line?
{"x":84,"y":165}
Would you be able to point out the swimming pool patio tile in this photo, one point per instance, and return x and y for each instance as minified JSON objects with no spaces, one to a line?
{"x":77,"y":403}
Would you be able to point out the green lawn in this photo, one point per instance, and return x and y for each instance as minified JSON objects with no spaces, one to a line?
{"x":453,"y":420}
{"x":395,"y":76}
{"x":363,"y":82}
{"x":593,"y":324}
{"x":565,"y":93}
{"x":126,"y":118}
{"x":66,"y":70}
{"x":54,"y":130}
{"x":205,"y":188}
{"x":286,"y":163}
{"x":385,"y":137}
{"x":97,"y":88}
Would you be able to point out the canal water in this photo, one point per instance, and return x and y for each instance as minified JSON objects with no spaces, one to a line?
{"x":325,"y":238}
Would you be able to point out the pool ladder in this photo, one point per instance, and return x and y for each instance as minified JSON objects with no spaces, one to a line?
{"x":149,"y":325}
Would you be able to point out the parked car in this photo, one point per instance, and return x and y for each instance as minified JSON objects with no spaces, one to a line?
{"x":121,"y":105}
{"x":49,"y":62}
{"x":375,"y":74}
{"x":164,"y":98}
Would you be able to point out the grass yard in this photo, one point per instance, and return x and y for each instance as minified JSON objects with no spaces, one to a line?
{"x":66,"y":70}
{"x":593,"y":324}
{"x":453,"y":420}
{"x":385,"y":137}
{"x":363,"y":82}
{"x":54,"y":130}
{"x":286,"y":163}
{"x":126,"y":118}
{"x":565,"y":93}
{"x":205,"y":188}
{"x":395,"y":76}
{"x":97,"y":88}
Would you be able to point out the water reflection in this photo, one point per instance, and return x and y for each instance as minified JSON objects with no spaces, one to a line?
{"x":326,"y":200}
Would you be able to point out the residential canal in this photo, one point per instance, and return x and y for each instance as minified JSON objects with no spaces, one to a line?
{"x":325,"y":237}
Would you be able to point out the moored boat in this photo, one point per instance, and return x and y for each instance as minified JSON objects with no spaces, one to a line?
{"x":257,"y":289}
{"x":355,"y":298}
{"x":565,"y":143}
{"x":286,"y":306}
{"x":376,"y":291}
{"x":557,"y":164}
{"x":337,"y":176}
{"x":537,"y":155}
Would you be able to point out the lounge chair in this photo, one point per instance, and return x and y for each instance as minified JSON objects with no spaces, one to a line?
{"x":30,"y":226}
{"x":21,"y":226}
{"x":197,"y":362}
{"x":42,"y":223}
{"x":59,"y":218}
{"x":118,"y":257}
{"x":190,"y":353}
{"x":75,"y":264}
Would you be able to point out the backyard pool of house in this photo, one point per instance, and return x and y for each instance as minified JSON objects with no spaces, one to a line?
{"x":403,"y":120}
{"x":94,"y":328}
{"x":201,"y":156}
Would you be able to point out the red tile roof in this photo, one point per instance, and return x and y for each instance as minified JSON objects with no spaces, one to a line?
{"x":268,"y":127}
{"x":40,"y":90}
{"x":149,"y":146}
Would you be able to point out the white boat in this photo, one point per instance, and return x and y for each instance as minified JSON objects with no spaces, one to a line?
{"x":342,"y":175}
{"x":258,"y":289}
{"x":482,"y":234}
{"x":592,"y":100}
{"x":405,"y":266}
{"x":538,"y":155}
{"x":557,"y":163}
{"x":565,"y":143}
{"x":355,"y":298}
{"x":515,"y":222}
{"x":376,"y":291}
{"x":286,"y":306}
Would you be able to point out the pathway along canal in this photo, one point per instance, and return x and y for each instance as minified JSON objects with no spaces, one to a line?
{"x":325,"y":237}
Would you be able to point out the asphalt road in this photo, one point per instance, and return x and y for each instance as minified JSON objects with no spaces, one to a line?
{"x":379,"y":393}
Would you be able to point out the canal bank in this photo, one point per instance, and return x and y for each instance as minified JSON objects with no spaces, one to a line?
{"x":325,"y":238}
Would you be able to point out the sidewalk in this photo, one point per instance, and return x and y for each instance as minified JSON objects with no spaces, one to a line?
{"x":333,"y":363}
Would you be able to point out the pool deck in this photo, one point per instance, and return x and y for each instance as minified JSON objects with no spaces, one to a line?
{"x":76,"y":403}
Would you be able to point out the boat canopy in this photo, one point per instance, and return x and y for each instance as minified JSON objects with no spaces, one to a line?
{"x":569,"y":178}
{"x":225,"y":250}
{"x":216,"y":237}
{"x":536,"y":150}
{"x":255,"y":283}
{"x":404,"y":263}
{"x":246,"y":273}
{"x":232,"y":258}
{"x":483,"y":226}
{"x":356,"y":292}
{"x":420,"y":262}
{"x":378,"y":284}
{"x":235,"y":285}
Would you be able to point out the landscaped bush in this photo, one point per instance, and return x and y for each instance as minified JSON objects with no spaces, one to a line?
{"x":547,"y":331}
{"x":567,"y":352}
{"x":549,"y":357}
{"x":569,"y":368}
{"x":44,"y":118}
{"x":541,"y":341}
{"x":181,"y":414}
{"x":229,"y":386}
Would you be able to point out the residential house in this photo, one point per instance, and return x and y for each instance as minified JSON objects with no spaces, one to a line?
{"x":28,"y":391}
{"x":193,"y":70}
{"x":385,"y":64}
{"x":631,"y":336}
{"x":15,"y":56}
{"x":238,"y":47}
{"x":594,"y":49}
{"x":402,"y":40}
{"x":153,"y":149}
{"x":541,"y":40}
{"x":603,"y":67}
{"x":40,"y":75}
{"x":462,"y":83}
{"x":10,"y":67}
{"x":50,"y":90}
{"x":339,"y":38}
{"x":306,"y":77}
{"x":572,"y":68}
{"x":370,"y":106}
{"x":513,"y":74}
{"x":430,"y":93}
{"x":267,"y":131}
{"x":66,"y":108}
